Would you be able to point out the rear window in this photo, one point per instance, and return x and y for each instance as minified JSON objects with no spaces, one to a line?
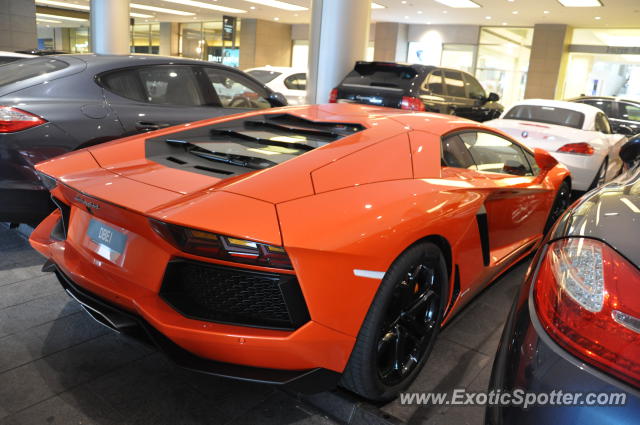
{"x":264,"y":76}
{"x":28,"y":68}
{"x":380,"y":75}
{"x":546,"y":114}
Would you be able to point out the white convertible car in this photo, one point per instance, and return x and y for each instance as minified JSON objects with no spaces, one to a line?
{"x":291,"y":82}
{"x":577,"y":135}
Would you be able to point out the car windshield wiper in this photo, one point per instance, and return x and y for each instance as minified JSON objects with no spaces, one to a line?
{"x":268,"y":142}
{"x":245,"y":161}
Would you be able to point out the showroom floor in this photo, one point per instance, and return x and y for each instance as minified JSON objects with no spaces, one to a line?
{"x":57,"y":366}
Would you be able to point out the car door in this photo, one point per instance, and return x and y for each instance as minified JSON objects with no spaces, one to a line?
{"x":459,"y":103}
{"x":432,"y":93}
{"x":234,"y":91}
{"x":627,"y":114}
{"x":156,"y":96}
{"x":514,"y":207}
{"x":295,"y":88}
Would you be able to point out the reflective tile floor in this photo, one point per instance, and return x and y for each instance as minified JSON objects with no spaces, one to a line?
{"x":57,"y":366}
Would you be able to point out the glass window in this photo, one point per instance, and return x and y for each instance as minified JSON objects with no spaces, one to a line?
{"x":454,"y":83}
{"x":456,"y":154}
{"x":458,"y":56}
{"x":296,"y":82}
{"x":29,"y":68}
{"x":602,"y":123}
{"x":604,"y":105}
{"x":495,"y":154}
{"x":263,"y":75}
{"x":474,"y":88}
{"x":629,"y":112}
{"x":381,"y":75}
{"x":164,"y":85}
{"x":235,"y":91}
{"x":433,"y":83}
{"x":532,"y":162}
{"x":546,"y":114}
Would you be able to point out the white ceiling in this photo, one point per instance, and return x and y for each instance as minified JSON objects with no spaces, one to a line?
{"x":614,"y":13}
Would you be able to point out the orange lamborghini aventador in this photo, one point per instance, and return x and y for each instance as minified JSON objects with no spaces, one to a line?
{"x":306,"y":246}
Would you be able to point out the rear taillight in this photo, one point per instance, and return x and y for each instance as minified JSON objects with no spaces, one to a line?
{"x":206,"y":244}
{"x":586,"y":296}
{"x":579,"y":148}
{"x":333,"y":96}
{"x":14,"y":119}
{"x":411,"y":103}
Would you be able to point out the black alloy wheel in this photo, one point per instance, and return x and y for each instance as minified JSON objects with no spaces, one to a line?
{"x":411,"y":321}
{"x":560,"y":204}
{"x":401,"y":326}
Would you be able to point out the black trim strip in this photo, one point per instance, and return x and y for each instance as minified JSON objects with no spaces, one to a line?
{"x":483,"y":228}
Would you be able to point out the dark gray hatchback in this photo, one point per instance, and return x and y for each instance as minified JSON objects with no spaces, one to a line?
{"x":55,"y":104}
{"x":418,"y":88}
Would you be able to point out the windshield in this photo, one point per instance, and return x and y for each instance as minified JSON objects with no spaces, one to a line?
{"x":263,"y":76}
{"x":251,"y":143}
{"x":380,"y":75}
{"x":28,"y":68}
{"x":546,"y":114}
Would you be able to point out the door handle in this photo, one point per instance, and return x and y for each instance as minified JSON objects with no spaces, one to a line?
{"x":149,"y":126}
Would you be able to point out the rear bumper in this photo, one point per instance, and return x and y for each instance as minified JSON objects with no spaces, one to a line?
{"x":118,"y":319}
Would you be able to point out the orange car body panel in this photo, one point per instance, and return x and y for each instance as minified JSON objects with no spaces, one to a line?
{"x":356,"y":203}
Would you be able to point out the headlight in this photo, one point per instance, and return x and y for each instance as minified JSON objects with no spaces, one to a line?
{"x":206,"y":244}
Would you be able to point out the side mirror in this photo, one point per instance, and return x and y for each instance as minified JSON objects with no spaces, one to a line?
{"x":630,"y":151}
{"x":625,"y":130}
{"x":276,"y":99}
{"x":493,"y":97}
{"x":544,"y":159}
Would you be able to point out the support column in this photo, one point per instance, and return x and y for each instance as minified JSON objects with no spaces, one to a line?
{"x":339,"y":37}
{"x":18,"y":25}
{"x":264,"y":43}
{"x":548,"y":61}
{"x":391,"y":42}
{"x":110,"y":27}
{"x":169,"y":38}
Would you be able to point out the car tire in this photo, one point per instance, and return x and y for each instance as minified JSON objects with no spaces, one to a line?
{"x":417,"y":278}
{"x":560,"y":203}
{"x":601,"y":175}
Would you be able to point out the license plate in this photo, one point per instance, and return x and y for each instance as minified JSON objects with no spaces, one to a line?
{"x":111,"y":242}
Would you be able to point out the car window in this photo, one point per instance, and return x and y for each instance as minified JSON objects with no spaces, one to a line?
{"x":235,"y":91}
{"x":629,"y":112}
{"x":495,"y":154}
{"x":602,"y":123}
{"x":456,"y":154}
{"x":433,"y":83}
{"x":546,"y":114}
{"x":162,"y":85}
{"x":263,"y":75}
{"x":474,"y":88}
{"x":604,"y":105}
{"x":296,"y":81}
{"x":532,"y":162}
{"x":374,"y":74}
{"x":454,"y":83}
{"x":28,"y":68}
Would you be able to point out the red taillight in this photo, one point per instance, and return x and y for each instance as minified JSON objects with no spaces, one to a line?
{"x":412,"y":104}
{"x":587,"y":300}
{"x":580,"y":148}
{"x":14,"y":119}
{"x":205,"y":244}
{"x":333,"y":96}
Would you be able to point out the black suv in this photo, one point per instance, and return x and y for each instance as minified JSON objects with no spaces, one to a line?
{"x":418,"y":88}
{"x":624,"y":114}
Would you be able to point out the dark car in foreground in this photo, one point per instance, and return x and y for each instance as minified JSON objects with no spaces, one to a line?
{"x":624,"y":114}
{"x":51,"y":105}
{"x":575,"y":325}
{"x":418,"y":88}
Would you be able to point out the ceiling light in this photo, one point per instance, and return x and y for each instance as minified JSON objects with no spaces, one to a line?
{"x":48,"y":20}
{"x":487,"y":17}
{"x":252,"y":7}
{"x":279,"y":5}
{"x":419,"y":12}
{"x":504,"y":23}
{"x":377,"y":6}
{"x":459,"y":3}
{"x":404,"y":2}
{"x":204,"y":5}
{"x":67,"y":18}
{"x":445,"y":12}
{"x":160,"y":9}
{"x":64,"y":4}
{"x":406,"y":17}
{"x":546,"y":12}
{"x":597,"y":18}
{"x":276,"y":19}
{"x":515,"y":12}
{"x":580,"y":3}
{"x":140,"y":15}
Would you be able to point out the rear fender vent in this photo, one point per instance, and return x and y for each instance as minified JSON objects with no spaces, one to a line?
{"x":61,"y":228}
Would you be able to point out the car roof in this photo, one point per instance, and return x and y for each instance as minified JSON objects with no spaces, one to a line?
{"x":283,"y":69}
{"x":633,"y":99}
{"x":588,"y":110}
